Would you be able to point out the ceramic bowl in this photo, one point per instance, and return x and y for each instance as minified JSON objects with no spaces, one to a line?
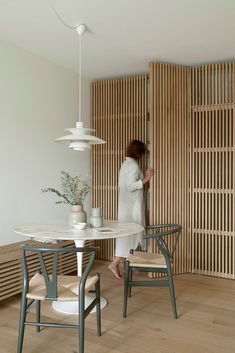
{"x":80,"y":226}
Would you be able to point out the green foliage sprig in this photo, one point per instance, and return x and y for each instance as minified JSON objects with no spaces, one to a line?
{"x":74,"y":189}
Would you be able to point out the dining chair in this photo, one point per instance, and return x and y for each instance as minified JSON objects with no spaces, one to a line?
{"x":166,"y":237}
{"x":47,"y":285}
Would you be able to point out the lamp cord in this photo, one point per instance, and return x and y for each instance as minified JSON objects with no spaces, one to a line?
{"x":79,"y":62}
{"x":60,"y":18}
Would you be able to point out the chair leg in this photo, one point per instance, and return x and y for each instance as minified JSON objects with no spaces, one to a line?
{"x":98,"y":311}
{"x":81,"y":323}
{"x":126,"y":286}
{"x":130,"y":275}
{"x":130,"y":280}
{"x":23,"y":311}
{"x":172,"y":292}
{"x":38,"y":314}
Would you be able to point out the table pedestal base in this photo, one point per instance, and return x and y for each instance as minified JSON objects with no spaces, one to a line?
{"x":72,"y":307}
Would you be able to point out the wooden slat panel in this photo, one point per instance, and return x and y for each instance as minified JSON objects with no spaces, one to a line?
{"x":119,"y":114}
{"x":212,"y":160}
{"x":170,"y":103}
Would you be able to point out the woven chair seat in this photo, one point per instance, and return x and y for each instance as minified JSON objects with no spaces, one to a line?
{"x":145,"y":259}
{"x":67,"y":287}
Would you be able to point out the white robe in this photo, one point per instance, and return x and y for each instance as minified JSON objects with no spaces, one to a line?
{"x":130,"y":204}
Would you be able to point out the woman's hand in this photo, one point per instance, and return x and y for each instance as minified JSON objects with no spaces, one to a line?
{"x":148,"y":175}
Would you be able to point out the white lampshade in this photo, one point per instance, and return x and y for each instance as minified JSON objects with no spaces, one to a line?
{"x":80,"y":138}
{"x":79,"y":146}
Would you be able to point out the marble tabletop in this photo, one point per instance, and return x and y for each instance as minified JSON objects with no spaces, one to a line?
{"x":53,"y":232}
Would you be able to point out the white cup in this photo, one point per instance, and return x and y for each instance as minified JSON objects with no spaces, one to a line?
{"x":80,"y":226}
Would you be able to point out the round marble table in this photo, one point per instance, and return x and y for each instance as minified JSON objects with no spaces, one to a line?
{"x":54,"y":232}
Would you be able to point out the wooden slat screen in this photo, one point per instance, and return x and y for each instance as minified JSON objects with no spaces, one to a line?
{"x":212,"y":170}
{"x":192,"y":150}
{"x":120,"y":112}
{"x":170,"y":104}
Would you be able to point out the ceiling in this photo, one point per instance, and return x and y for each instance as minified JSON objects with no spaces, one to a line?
{"x":124,"y":35}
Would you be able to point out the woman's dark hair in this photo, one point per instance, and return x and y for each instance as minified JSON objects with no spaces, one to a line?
{"x":135,"y":149}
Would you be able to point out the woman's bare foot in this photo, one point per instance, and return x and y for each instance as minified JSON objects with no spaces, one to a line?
{"x":115,"y":271}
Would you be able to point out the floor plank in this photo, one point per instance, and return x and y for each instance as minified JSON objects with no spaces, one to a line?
{"x":206,"y":322}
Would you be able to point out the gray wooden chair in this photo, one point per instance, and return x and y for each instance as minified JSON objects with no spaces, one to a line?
{"x":162,"y":262}
{"x":44,"y":286}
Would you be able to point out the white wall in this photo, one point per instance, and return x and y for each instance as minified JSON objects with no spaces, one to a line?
{"x":37,"y":101}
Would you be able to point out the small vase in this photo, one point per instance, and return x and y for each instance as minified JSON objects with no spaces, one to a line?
{"x":96,"y":218}
{"x":77,"y":215}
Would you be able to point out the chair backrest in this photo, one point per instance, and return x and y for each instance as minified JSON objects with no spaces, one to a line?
{"x":160,"y":232}
{"x":50,"y":275}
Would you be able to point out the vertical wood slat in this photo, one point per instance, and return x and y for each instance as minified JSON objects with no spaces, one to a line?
{"x":119,"y":115}
{"x":212,"y":161}
{"x":169,"y":151}
{"x":232,"y":245}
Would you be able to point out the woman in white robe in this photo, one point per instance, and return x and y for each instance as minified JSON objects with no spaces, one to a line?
{"x":131,"y":201}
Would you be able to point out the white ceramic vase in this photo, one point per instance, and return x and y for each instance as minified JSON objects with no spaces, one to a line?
{"x":96,"y":218}
{"x":77,"y":215}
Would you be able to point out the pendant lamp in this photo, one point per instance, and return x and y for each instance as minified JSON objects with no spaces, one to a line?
{"x":80,"y":138}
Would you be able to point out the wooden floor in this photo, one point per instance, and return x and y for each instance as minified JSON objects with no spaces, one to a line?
{"x":206,"y":323}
